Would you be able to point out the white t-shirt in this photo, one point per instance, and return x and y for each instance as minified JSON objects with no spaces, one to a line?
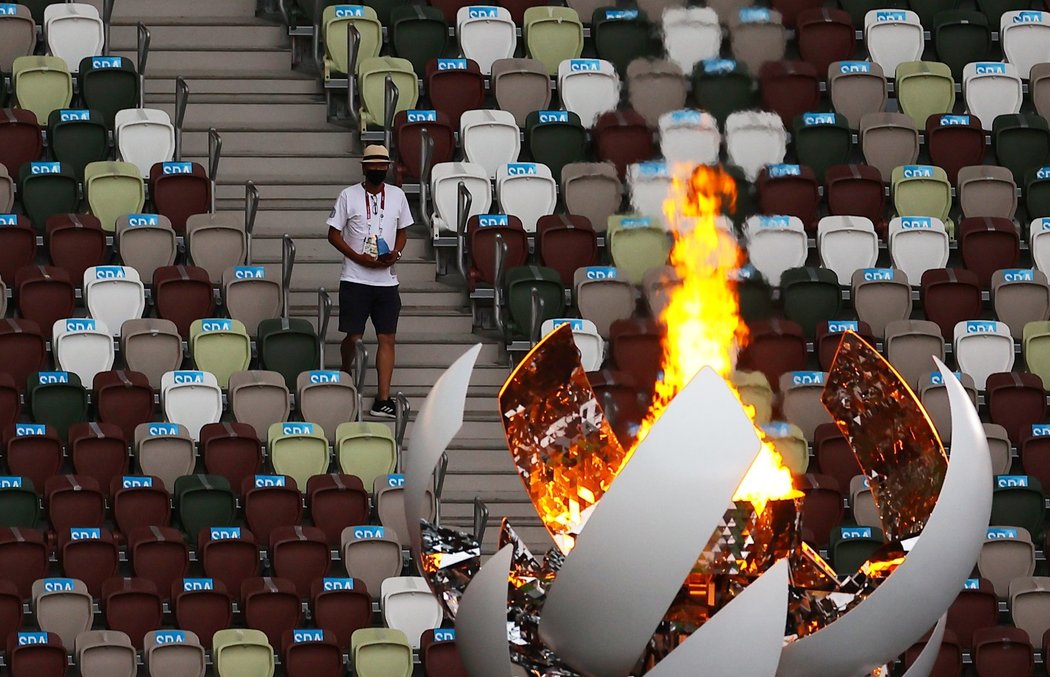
{"x":387,"y":212}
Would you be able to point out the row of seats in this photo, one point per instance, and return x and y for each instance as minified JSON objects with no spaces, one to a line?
{"x":71,"y":32}
{"x":43,"y":84}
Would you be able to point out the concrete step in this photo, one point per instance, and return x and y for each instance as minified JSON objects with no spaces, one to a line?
{"x":332,"y":142}
{"x":311,"y":241}
{"x":500,"y":486}
{"x":424,"y":375}
{"x":414,"y":294}
{"x":326,"y":274}
{"x":262,"y":58}
{"x":481,"y":461}
{"x":416,"y":346}
{"x":203,"y":33}
{"x":264,"y":168}
{"x":152,"y":9}
{"x":282,"y":117}
{"x":162,"y":82}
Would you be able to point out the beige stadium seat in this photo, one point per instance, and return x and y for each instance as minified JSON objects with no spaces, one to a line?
{"x":987,"y":190}
{"x":105,"y":653}
{"x":888,"y":140}
{"x":856,"y":88}
{"x":881,"y":296}
{"x":592,"y":189}
{"x":17,"y":36}
{"x":934,"y":396}
{"x":911,"y":346}
{"x":521,"y":86}
{"x":801,"y":393}
{"x":655,"y":87}
{"x":216,"y":242}
{"x":1030,"y":604}
{"x":1008,"y":553}
{"x":327,"y":398}
{"x":862,"y":501}
{"x":998,"y":448}
{"x":388,"y":497}
{"x":1020,"y":297}
{"x":146,"y":242}
{"x":602,"y":297}
{"x":174,"y":653}
{"x":151,"y":346}
{"x":164,"y":450}
{"x":259,"y":398}
{"x":62,"y":606}
{"x":251,"y":295}
{"x":371,"y":554}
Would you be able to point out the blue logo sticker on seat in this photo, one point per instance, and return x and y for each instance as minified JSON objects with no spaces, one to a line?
{"x":850,"y":533}
{"x":445,"y":635}
{"x":101,"y":62}
{"x":842,"y":326}
{"x":855,"y":67}
{"x":913,"y":222}
{"x":297,"y":428}
{"x":224,"y":533}
{"x":621,"y":14}
{"x":74,"y":115}
{"x":188,"y":377}
{"x":488,"y":220}
{"x":754,"y":15}
{"x":395,"y":481}
{"x":950,"y":120}
{"x":85,"y":533}
{"x":31,"y":638}
{"x":45,"y":167}
{"x":774,"y":221}
{"x":421,"y":116}
{"x":135,"y":482}
{"x":269,"y":481}
{"x":143,"y":220}
{"x":522,"y":169}
{"x":593,"y":65}
{"x":777,"y":171}
{"x":301,"y":635}
{"x":878,"y":274}
{"x":59,"y":585}
{"x":452,"y":64}
{"x":8,"y":219}
{"x":687,"y":115}
{"x":10,"y":482}
{"x":807,"y":378}
{"x":483,"y":12}
{"x":30,"y":429}
{"x":636,"y":222}
{"x":917,"y":171}
{"x":889,"y":15}
{"x":216,"y":324}
{"x":163,"y":429}
{"x":194,"y":584}
{"x":347,"y":11}
{"x":369,"y":532}
{"x":249,"y":273}
{"x":972,"y":584}
{"x":553,"y":116}
{"x":1028,"y":17}
{"x":990,"y":68}
{"x":110,"y":272}
{"x":718,"y":65}
{"x":338,"y":584}
{"x":600,"y":272}
{"x":937,"y":378}
{"x":80,"y":324}
{"x":574,"y":324}
{"x":7,"y":9}
{"x":177,"y":168}
{"x":170,"y":637}
{"x":980,"y":327}
{"x":1011,"y":481}
{"x":326,"y":376}
{"x":50,"y":377}
{"x":653,"y":168}
{"x":815,"y":119}
{"x":1000,"y":533}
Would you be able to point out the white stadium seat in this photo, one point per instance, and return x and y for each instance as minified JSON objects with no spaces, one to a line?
{"x":527,"y":190}
{"x":1025,"y":37}
{"x":691,"y":34}
{"x":588,"y":87}
{"x":775,"y":244}
{"x":690,"y":136}
{"x":983,"y":348}
{"x":410,"y":606}
{"x":144,"y":137}
{"x":1038,"y":240}
{"x":74,"y":31}
{"x":486,"y":34}
{"x":490,"y":138}
{"x":649,"y":184}
{"x":754,"y":140}
{"x":588,"y":341}
{"x":918,"y":244}
{"x":444,"y":189}
{"x":83,"y":346}
{"x":114,"y":294}
{"x":847,"y":243}
{"x":192,"y":399}
{"x":991,"y":89}
{"x":893,"y":36}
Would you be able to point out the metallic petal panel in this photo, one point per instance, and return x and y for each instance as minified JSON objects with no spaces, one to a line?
{"x":480,"y":629}
{"x":449,"y":560}
{"x":561,"y":442}
{"x":890,"y":433}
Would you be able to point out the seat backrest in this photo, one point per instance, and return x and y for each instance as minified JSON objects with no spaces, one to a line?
{"x":113,"y":189}
{"x":776,"y":244}
{"x":520,"y":86}
{"x":588,"y":87}
{"x":192,"y":399}
{"x":485,"y":34}
{"x":490,"y":138}
{"x":893,"y":37}
{"x":846,"y":244}
{"x":754,"y":140}
{"x":299,"y":450}
{"x":1023,"y":34}
{"x":409,"y":605}
{"x":73,"y":31}
{"x":690,"y":35}
{"x":385,"y":652}
{"x":918,"y":244}
{"x":593,"y":190}
{"x":259,"y":398}
{"x":174,"y":653}
{"x":888,"y":140}
{"x":144,"y":137}
{"x":371,"y":554}
{"x":553,"y":34}
{"x":216,"y":242}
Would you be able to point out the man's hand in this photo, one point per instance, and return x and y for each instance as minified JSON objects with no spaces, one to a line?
{"x":367,"y":261}
{"x":387,"y":260}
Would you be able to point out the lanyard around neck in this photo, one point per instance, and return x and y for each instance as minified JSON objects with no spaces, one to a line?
{"x":373,"y":210}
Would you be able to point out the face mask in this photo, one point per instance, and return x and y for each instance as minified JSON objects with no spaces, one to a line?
{"x":375,"y":176}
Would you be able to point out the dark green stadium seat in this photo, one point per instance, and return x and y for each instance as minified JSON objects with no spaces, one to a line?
{"x":46,"y":189}
{"x":19,"y":503}
{"x":961,"y":36}
{"x":746,"y":198}
{"x":108,"y":84}
{"x":858,"y":8}
{"x":555,"y":138}
{"x":811,"y":296}
{"x":204,"y":501}
{"x":1037,"y":193}
{"x":621,"y":35}
{"x":822,"y":140}
{"x":37,"y":7}
{"x":1019,"y":506}
{"x":78,"y":138}
{"x":288,"y":347}
{"x":520,"y":283}
{"x":756,"y":296}
{"x":418,"y":33}
{"x":1021,"y":142}
{"x":723,"y":86}
{"x":929,"y":9}
{"x":57,"y":399}
{"x":994,"y":9}
{"x":851,"y":546}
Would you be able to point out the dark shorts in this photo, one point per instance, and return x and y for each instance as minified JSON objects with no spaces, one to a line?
{"x":358,"y":302}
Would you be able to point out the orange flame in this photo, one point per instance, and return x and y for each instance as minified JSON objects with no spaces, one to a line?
{"x":702,"y":316}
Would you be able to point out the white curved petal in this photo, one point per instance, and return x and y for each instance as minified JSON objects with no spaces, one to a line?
{"x":914,"y":596}
{"x":646,"y":533}
{"x":481,"y":623}
{"x":923,"y":665}
{"x":744,"y":638}
{"x":440,"y":418}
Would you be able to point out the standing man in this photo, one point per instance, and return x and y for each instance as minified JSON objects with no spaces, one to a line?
{"x":367,"y":226}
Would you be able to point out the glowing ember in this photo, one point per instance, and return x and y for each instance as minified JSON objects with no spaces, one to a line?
{"x":702,"y":316}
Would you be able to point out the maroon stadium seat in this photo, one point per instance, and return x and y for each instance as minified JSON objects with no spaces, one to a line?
{"x":45,"y":658}
{"x":439,"y":655}
{"x":622,"y":389}
{"x":299,"y":554}
{"x":33,"y":455}
{"x":777,"y":346}
{"x":481,"y":239}
{"x":23,"y":558}
{"x":20,"y":138}
{"x":269,"y":507}
{"x":988,"y":244}
{"x":124,"y":399}
{"x":949,"y":659}
{"x":93,"y":560}
{"x":1002,"y":651}
{"x":954,"y":142}
{"x":454,"y":91}
{"x":179,"y":195}
{"x":74,"y":501}
{"x":10,"y":608}
{"x":566,"y":242}
{"x":10,"y":402}
{"x":824,"y":37}
{"x":791,"y":190}
{"x":137,"y":505}
{"x":827,"y":341}
{"x":790,"y":10}
{"x":306,"y":655}
{"x":822,"y":509}
{"x":856,"y":190}
{"x":622,"y":138}
{"x":132,"y":606}
{"x":635,"y":348}
{"x":336,"y":501}
{"x":182,"y":294}
{"x":200,"y":610}
{"x":833,"y":454}
{"x":341,"y":606}
{"x":271,"y":605}
{"x":231,"y":450}
{"x":99,"y":451}
{"x":1035,"y":454}
{"x":230,"y":559}
{"x":1015,"y":401}
{"x":76,"y":242}
{"x":973,"y":609}
{"x":17,"y":247}
{"x":44,"y":294}
{"x":407,"y":134}
{"x":789,"y":88}
{"x":158,"y":554}
{"x":949,"y":296}
{"x":23,"y":350}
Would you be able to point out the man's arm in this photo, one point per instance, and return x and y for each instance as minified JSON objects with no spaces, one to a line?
{"x":335,"y":238}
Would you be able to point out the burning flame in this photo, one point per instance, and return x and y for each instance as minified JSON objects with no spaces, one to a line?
{"x":702,"y":316}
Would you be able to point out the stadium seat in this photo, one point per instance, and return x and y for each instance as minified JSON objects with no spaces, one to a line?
{"x":976,"y":608}
{"x":309,"y":653}
{"x":201,"y":606}
{"x":113,"y":189}
{"x":552,"y":35}
{"x":139,"y":501}
{"x":1023,"y":36}
{"x":271,"y":502}
{"x":567,"y":242}
{"x":151,"y":346}
{"x":90,"y":556}
{"x":555,"y":139}
{"x":834,"y":455}
{"x":145,"y":242}
{"x":949,"y":296}
{"x":603,"y":297}
{"x":144,"y":137}
{"x":22,"y":141}
{"x":949,"y":659}
{"x":527,"y":190}
{"x":33,"y":451}
{"x":455,"y":86}
{"x":1038,"y":243}
{"x":992,"y":89}
{"x":893,"y":37}
{"x":221,"y":347}
{"x":588,"y":88}
{"x":521,"y":283}
{"x":1002,"y":650}
{"x":174,"y":653}
{"x":41,"y":84}
{"x":17,"y":245}
{"x":1017,"y":501}
{"x":776,"y":244}
{"x":998,"y":447}
{"x":1007,"y":553}
{"x":934,"y":397}
{"x":73,"y":31}
{"x":1039,"y":87}
{"x":258,"y":398}
{"x":444,"y":188}
{"x":655,"y":87}
{"x":822,"y":510}
{"x":824,"y":36}
{"x":82,"y":346}
{"x":689,"y":135}
{"x":17,"y":34}
{"x":482,"y":232}
{"x":592,"y":190}
{"x":856,"y":88}
{"x":36,"y":653}
{"x":371,"y":554}
{"x":23,"y":554}
{"x":123,"y":398}
{"x":336,"y":502}
{"x":56,"y":398}
{"x":982,"y":348}
{"x":1034,"y":452}
{"x":439,"y":654}
{"x":918,"y":244}
{"x":485,"y":34}
{"x":800,"y":393}
{"x":270,"y":605}
{"x":961,"y":37}
{"x":250,"y":296}
{"x":132,"y":606}
{"x":409,"y":605}
{"x":300,"y":555}
{"x":622,"y":35}
{"x":777,"y":346}
{"x":114,"y":295}
{"x":228,"y":554}
{"x":909,"y":346}
{"x":988,"y":244}
{"x":847,"y":244}
{"x":365,"y":450}
{"x":636,"y":244}
{"x":1021,"y":143}
{"x":723,"y":87}
{"x":810,"y":296}
{"x":335,"y":23}
{"x":105,"y":653}
{"x":622,"y":137}
{"x":862,"y":503}
{"x":520,"y":86}
{"x":925,"y":88}
{"x":1037,"y":192}
{"x":74,"y":502}
{"x":1016,"y":400}
{"x":242,"y":652}
{"x":182,"y":294}
{"x":19,"y":504}
{"x":922,"y":190}
{"x":372,"y":78}
{"x":829,"y":335}
{"x":231,"y":450}
{"x":381,"y":652}
{"x":888,"y":141}
{"x":298,"y":450}
{"x":791,"y":190}
{"x":158,"y":554}
{"x":822,"y":140}
{"x":648,"y":185}
{"x":203,"y":501}
{"x":340,"y":607}
{"x":1030,"y":604}
{"x":851,"y":547}
{"x":418,"y":33}
{"x":757,"y":35}
{"x":987,"y":190}
{"x":408,"y":130}
{"x":46,"y":189}
{"x":191,"y":398}
{"x":182,"y":190}
{"x":755,"y":139}
{"x":287,"y":346}
{"x":789,"y":88}
{"x":388,"y":498}
{"x":78,"y":137}
{"x":99,"y":451}
{"x":955,"y":142}
{"x":76,"y":242}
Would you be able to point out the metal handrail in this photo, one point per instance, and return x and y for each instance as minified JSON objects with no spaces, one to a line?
{"x":391,"y":96}
{"x":535,"y":315}
{"x":324,"y":315}
{"x":318,"y":10}
{"x":353,"y":48}
{"x":285,"y":16}
{"x":612,"y":412}
{"x":481,"y":519}
{"x":251,"y":210}
{"x":144,"y":40}
{"x":426,"y":155}
{"x":214,"y":155}
{"x":287,"y":263}
{"x":182,"y":100}
{"x":500,"y":260}
{"x":402,"y":411}
{"x":360,"y":367}
{"x":439,"y":484}
{"x":463,"y":202}
{"x":107,"y":22}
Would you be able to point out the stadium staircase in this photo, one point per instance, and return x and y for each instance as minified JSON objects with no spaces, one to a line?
{"x":275,"y":132}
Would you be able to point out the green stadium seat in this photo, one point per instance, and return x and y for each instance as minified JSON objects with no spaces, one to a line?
{"x":41,"y":84}
{"x":113,"y":189}
{"x":108,"y":84}
{"x":552,"y":35}
{"x":203,"y":501}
